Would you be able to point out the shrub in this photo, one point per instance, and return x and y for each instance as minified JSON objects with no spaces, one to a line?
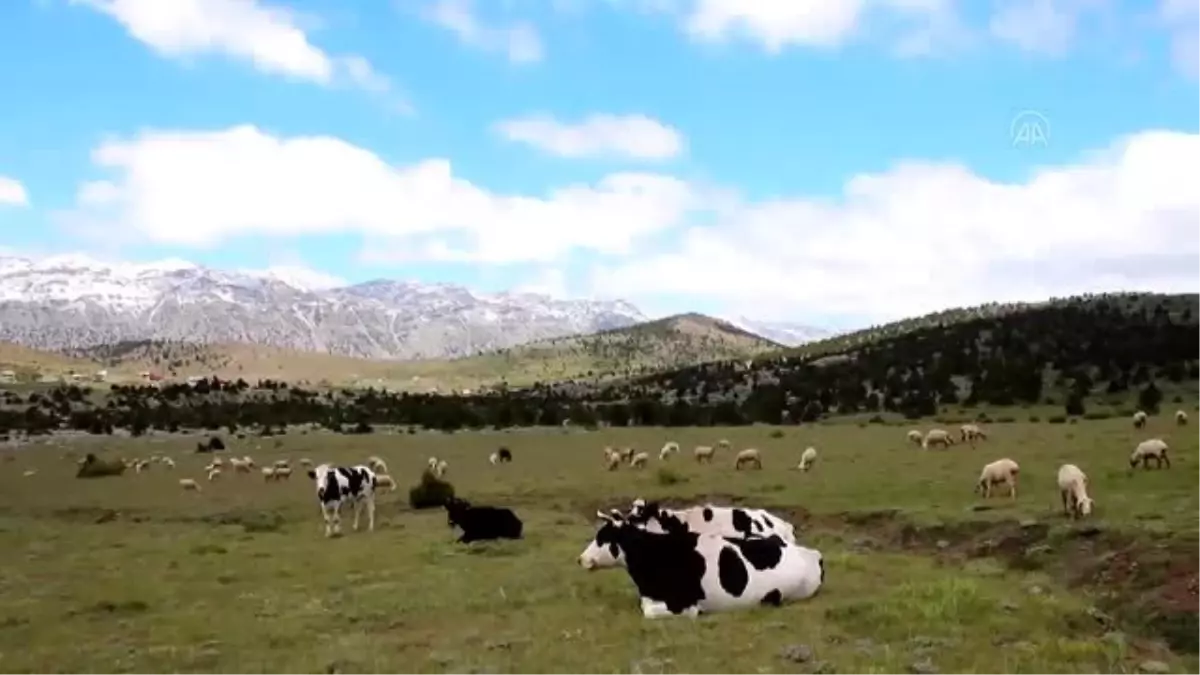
{"x":1057,"y":419}
{"x":776,"y":433}
{"x":1035,"y":419}
{"x":431,"y":493}
{"x":94,"y":467}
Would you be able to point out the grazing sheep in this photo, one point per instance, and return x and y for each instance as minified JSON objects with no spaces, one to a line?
{"x":283,"y":472}
{"x":238,"y":465}
{"x":306,"y":462}
{"x":668,"y":449}
{"x":627,"y":454}
{"x":141,"y":465}
{"x":189,"y":484}
{"x":217,"y":462}
{"x":377,"y":464}
{"x":704,"y":453}
{"x":249,"y":461}
{"x":282,"y":464}
{"x":1147,"y":450}
{"x":639,"y":460}
{"x":168,"y":462}
{"x":503,"y":455}
{"x":214,"y":474}
{"x":432,"y":463}
{"x":1072,"y":486}
{"x":442,"y":467}
{"x":971,"y":433}
{"x":612,"y":459}
{"x":724,"y":444}
{"x":915,"y":436}
{"x":937,"y":437}
{"x":30,"y":472}
{"x":807,"y":459}
{"x":1181,"y":418}
{"x":1139,"y":419}
{"x":268,"y":473}
{"x":385,"y":481}
{"x":747,"y":456}
{"x":1000,"y":471}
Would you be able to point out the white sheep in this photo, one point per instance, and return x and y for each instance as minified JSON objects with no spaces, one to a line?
{"x":638,"y":461}
{"x":807,"y":459}
{"x":306,"y":462}
{"x":1139,"y":419}
{"x":747,"y":456}
{"x":1000,"y":471}
{"x":1181,"y":418}
{"x":385,"y":481}
{"x":141,"y":465}
{"x":214,"y":473}
{"x":268,"y":473}
{"x":217,"y":462}
{"x":1147,"y":450}
{"x":168,"y":462}
{"x":239,"y":465}
{"x":441,"y":468}
{"x":377,"y":464}
{"x":30,"y":472}
{"x":704,"y":453}
{"x":612,"y":459}
{"x":1072,"y":487}
{"x":283,"y":472}
{"x":668,"y":449}
{"x":248,"y":460}
{"x":971,"y":433}
{"x":432,"y":464}
{"x":627,"y":454}
{"x":915,"y":436}
{"x":189,"y":484}
{"x":282,"y":464}
{"x":937,"y":437}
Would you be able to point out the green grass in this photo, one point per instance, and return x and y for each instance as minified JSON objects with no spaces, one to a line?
{"x":130,"y":574}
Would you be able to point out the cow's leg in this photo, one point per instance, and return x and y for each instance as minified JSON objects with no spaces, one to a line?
{"x":357,"y":505}
{"x":654,"y":609}
{"x":371,"y":513}
{"x":333,"y":518}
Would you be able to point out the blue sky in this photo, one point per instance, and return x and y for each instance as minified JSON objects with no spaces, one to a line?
{"x":824,"y":162}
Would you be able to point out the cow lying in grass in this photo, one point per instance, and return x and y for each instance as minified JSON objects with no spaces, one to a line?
{"x":682,"y":572}
{"x":726,"y":521}
{"x":480,"y":523}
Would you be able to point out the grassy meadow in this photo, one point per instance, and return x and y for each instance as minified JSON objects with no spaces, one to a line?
{"x":131,"y":574}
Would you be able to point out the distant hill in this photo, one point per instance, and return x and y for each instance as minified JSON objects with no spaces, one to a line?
{"x":646,"y":347}
{"x":1098,"y":349}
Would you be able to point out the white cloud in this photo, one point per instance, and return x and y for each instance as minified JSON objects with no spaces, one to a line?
{"x":923,"y":237}
{"x":1047,"y":27}
{"x":202,"y":188}
{"x":12,"y":192}
{"x":518,"y":41}
{"x":269,"y":37}
{"x":631,"y":136}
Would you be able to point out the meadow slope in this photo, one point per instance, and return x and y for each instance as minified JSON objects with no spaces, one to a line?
{"x":130,"y":574}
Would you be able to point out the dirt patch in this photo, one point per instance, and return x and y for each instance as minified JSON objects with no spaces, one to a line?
{"x":1147,"y":582}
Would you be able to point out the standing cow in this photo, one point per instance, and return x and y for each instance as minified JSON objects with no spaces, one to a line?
{"x":339,"y":485}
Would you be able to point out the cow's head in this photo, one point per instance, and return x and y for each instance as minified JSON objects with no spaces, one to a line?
{"x":605,"y":548}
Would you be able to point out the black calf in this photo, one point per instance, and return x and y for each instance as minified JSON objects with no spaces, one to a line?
{"x":482,"y":522}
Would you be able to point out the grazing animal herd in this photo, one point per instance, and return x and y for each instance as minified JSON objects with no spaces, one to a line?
{"x":683,"y":561}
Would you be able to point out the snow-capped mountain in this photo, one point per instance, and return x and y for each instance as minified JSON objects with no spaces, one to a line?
{"x":73,"y":301}
{"x":783,"y":332}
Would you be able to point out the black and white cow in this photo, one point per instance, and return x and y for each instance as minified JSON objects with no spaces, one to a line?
{"x":482,"y":522}
{"x":339,"y":485}
{"x":727,"y":521}
{"x":683,"y":572}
